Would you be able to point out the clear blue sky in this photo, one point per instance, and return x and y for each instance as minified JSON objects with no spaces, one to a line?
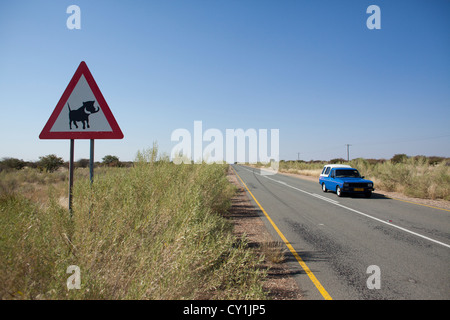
{"x":311,"y":69}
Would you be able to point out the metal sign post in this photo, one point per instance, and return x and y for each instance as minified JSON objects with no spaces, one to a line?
{"x":72,"y":145}
{"x":91,"y":161}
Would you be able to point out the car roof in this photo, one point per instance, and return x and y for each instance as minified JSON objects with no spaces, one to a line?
{"x":337,"y":166}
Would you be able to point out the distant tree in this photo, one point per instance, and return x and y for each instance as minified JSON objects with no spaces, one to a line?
{"x":338,"y":160}
{"x":372,"y":161}
{"x":399,"y":158}
{"x":434,"y":160}
{"x":111,"y":161}
{"x":50,"y":162}
{"x":83,"y":163}
{"x":12,"y":163}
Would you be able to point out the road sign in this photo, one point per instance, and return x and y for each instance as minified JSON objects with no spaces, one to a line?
{"x":82,"y":112}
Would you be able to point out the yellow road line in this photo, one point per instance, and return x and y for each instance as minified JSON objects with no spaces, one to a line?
{"x":290,"y":247}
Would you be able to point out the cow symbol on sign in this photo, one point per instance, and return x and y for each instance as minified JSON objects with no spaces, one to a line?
{"x":82,"y":114}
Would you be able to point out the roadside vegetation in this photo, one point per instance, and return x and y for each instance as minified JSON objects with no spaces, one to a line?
{"x":419,"y":176}
{"x":154,"y":230}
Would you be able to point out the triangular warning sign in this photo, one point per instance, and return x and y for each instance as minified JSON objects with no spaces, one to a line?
{"x":82,"y":112}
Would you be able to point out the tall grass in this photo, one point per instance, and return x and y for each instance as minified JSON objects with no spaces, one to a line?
{"x":153,"y":231}
{"x":414,"y":177}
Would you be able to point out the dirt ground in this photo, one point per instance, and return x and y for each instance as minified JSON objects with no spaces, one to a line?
{"x":246,"y":219}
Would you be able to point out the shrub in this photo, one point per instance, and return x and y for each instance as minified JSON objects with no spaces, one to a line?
{"x":51,"y":162}
{"x":82,"y":163}
{"x":337,"y":160}
{"x":433,"y":160}
{"x":399,"y":158}
{"x":111,"y":161}
{"x":12,"y":163}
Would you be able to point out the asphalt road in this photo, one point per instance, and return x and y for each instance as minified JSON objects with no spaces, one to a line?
{"x":336,"y":242}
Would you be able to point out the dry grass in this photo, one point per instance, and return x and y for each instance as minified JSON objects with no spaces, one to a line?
{"x":274,"y":251}
{"x":414,"y":177}
{"x":154,"y":231}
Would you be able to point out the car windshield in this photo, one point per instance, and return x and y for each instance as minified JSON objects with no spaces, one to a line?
{"x":347,"y":173}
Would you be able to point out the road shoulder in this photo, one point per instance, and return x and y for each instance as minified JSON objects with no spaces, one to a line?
{"x":246,"y":219}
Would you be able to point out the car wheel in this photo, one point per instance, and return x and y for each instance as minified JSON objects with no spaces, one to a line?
{"x":324,"y":188}
{"x":368,"y":194}
{"x":338,"y":191}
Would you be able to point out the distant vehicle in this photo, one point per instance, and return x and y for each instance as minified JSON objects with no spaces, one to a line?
{"x":345,"y":180}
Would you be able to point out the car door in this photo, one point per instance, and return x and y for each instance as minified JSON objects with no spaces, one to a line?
{"x":331,"y":182}
{"x":326,"y":178}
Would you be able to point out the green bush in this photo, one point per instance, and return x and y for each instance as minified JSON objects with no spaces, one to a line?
{"x":111,"y":161}
{"x":399,"y":158}
{"x":50,"y":162}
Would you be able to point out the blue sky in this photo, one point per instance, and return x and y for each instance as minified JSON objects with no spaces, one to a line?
{"x":311,"y":69}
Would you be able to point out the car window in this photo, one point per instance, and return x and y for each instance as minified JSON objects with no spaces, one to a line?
{"x":324,"y":168}
{"x":347,"y":173}
{"x":328,"y":170}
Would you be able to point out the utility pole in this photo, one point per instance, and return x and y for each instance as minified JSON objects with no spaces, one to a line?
{"x":348,"y":157}
{"x":298,"y":156}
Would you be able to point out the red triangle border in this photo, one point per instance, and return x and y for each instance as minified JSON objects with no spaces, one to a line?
{"x":116,"y":133}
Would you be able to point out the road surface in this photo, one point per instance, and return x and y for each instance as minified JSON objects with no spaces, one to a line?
{"x":353,"y":247}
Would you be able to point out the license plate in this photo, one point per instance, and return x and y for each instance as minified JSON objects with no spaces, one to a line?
{"x":359,"y":189}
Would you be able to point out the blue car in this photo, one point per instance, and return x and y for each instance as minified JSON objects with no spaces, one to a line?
{"x":345,"y":180}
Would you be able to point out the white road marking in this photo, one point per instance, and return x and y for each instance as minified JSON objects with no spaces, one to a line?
{"x":324,"y":198}
{"x":353,"y":210}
